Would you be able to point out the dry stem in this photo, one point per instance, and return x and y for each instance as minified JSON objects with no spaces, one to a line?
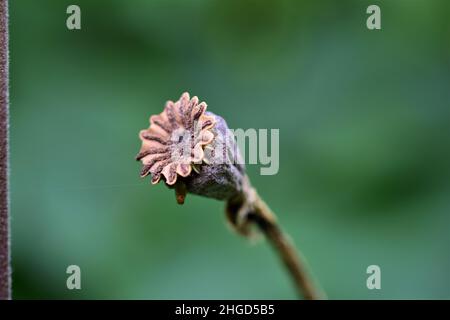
{"x":262,"y":216}
{"x":249,"y":209}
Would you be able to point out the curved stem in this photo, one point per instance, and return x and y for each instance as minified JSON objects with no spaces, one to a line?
{"x":247,"y":209}
{"x":264,"y":218}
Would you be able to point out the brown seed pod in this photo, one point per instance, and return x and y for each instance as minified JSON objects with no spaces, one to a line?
{"x":192,"y":150}
{"x":195,"y":152}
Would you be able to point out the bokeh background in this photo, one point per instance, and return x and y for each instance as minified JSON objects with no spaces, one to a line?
{"x":364,"y":121}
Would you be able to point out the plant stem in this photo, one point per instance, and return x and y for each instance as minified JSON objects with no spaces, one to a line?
{"x":5,"y":274}
{"x":247,"y":209}
{"x":264,"y":218}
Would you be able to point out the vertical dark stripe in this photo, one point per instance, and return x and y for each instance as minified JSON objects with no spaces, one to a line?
{"x":5,"y":275}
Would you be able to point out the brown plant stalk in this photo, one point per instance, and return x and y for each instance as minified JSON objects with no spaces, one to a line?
{"x":257,"y":213}
{"x":287,"y":252}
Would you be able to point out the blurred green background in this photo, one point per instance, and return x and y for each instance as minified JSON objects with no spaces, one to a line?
{"x":364,"y":121}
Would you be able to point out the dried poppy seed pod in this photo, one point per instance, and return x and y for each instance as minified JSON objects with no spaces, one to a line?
{"x":192,"y":150}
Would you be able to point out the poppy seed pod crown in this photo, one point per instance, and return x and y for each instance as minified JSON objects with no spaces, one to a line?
{"x":191,"y":150}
